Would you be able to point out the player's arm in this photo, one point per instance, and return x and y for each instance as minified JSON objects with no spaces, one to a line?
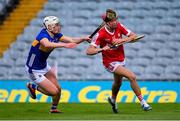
{"x":129,"y":38}
{"x":46,"y":43}
{"x":92,"y":50}
{"x":76,"y":40}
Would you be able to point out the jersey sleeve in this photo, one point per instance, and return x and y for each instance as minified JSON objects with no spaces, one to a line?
{"x":125,"y":30}
{"x":60,"y":36}
{"x":41,"y":36}
{"x":96,"y":40}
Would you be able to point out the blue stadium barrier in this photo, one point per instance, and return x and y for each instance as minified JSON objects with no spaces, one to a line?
{"x":94,"y":91}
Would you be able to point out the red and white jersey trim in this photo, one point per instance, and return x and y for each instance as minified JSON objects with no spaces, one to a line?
{"x":129,"y":31}
{"x":111,"y":33}
{"x":94,"y":40}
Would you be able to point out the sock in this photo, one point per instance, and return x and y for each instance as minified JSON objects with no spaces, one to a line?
{"x":34,"y":86}
{"x":54,"y":106}
{"x":140,"y":98}
{"x":143,"y":102}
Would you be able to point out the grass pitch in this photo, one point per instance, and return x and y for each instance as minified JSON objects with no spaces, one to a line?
{"x":97,"y":111}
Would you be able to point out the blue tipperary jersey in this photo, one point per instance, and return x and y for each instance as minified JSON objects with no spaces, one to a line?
{"x":38,"y":54}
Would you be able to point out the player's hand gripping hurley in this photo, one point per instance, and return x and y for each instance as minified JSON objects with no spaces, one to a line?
{"x":130,"y":41}
{"x":108,"y":17}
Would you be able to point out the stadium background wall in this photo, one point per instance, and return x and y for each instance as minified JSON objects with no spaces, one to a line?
{"x":93,"y":91}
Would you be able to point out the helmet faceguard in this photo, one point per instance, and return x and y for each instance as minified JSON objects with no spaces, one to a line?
{"x":50,"y":21}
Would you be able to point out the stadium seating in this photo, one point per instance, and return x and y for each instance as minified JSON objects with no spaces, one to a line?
{"x":157,"y":56}
{"x":17,"y":20}
{"x":5,"y":7}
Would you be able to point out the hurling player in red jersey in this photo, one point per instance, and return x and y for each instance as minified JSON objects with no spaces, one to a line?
{"x":114,"y":58}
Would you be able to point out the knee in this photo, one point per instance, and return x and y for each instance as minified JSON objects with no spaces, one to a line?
{"x":55,"y":92}
{"x":132,"y":77}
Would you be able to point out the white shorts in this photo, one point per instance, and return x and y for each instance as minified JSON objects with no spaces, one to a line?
{"x":37,"y":76}
{"x":113,"y":65}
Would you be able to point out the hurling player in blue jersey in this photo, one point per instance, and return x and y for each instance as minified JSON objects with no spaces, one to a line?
{"x":40,"y":73}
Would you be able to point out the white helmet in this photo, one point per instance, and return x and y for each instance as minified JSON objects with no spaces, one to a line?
{"x":50,"y":20}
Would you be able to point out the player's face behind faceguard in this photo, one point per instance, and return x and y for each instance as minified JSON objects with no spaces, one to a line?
{"x":52,"y":24}
{"x":110,"y":17}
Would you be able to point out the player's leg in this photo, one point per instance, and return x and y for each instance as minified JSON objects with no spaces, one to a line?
{"x":120,"y":70}
{"x":52,"y":77}
{"x":42,"y":84}
{"x":116,"y":86}
{"x":49,"y":88}
{"x":115,"y":89}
